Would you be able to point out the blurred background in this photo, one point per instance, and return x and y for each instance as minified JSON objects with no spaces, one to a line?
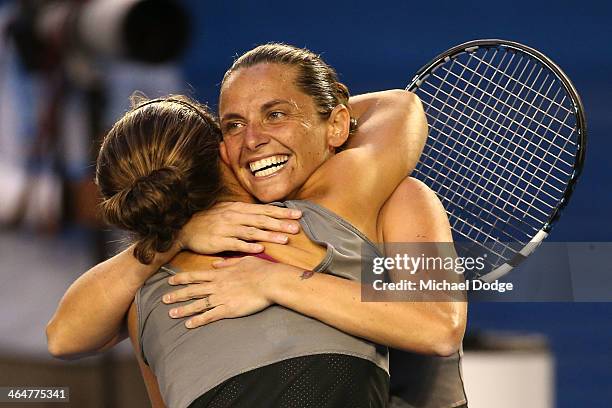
{"x":67,"y":68}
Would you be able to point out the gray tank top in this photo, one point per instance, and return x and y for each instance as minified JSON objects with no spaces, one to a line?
{"x":423,"y":381}
{"x":189,"y":362}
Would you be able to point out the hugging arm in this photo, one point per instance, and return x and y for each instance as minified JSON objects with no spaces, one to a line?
{"x":412,"y":214}
{"x":244,"y":286}
{"x":392,"y":129}
{"x":91,"y":315}
{"x":400,"y":141}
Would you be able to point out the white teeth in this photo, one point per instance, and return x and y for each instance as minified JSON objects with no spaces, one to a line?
{"x":269,"y":170}
{"x":277,"y":163}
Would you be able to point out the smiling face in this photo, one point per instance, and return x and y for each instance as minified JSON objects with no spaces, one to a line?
{"x":273,"y":136}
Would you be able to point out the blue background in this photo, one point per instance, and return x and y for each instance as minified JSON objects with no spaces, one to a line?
{"x":379,"y":45}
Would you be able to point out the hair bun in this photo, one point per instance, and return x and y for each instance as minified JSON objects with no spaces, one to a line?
{"x":155,"y":207}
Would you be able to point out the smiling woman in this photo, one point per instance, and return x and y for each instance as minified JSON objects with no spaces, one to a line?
{"x":258,"y":127}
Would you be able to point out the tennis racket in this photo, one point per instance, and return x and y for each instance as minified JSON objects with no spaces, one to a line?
{"x":507,"y":138}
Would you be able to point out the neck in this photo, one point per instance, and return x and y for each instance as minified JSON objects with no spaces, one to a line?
{"x":315,"y":186}
{"x":233,"y":190}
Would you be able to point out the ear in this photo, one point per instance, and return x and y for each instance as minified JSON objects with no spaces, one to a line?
{"x":338,"y":126}
{"x":223,"y":152}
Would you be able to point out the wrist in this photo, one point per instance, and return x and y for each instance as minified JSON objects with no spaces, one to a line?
{"x":279,"y":284}
{"x":162,"y":258}
{"x":140,"y":272}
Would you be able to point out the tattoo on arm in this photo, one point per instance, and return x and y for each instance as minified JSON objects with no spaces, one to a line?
{"x":306,"y":275}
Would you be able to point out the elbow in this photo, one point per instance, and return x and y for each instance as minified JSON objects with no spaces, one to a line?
{"x":415,"y":129}
{"x":451,"y":335}
{"x":58,"y":353}
{"x":57,"y":345}
{"x":403,"y":100}
{"x":441,"y":336}
{"x":448,"y":344}
{"x":54,"y":345}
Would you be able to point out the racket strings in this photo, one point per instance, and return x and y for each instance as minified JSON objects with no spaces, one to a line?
{"x":530,"y":89}
{"x":492,"y":130}
{"x":475,"y":188}
{"x":511,"y":78}
{"x":498,"y":185}
{"x":537,"y":109}
{"x":553,"y":165}
{"x":505,"y":170}
{"x":480,"y":145}
{"x":452,"y":179}
{"x":506,"y":234}
{"x":501,"y":125}
{"x":483,"y":156}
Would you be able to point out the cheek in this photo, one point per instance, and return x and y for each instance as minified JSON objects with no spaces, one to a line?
{"x":233,"y":150}
{"x":317,"y":151}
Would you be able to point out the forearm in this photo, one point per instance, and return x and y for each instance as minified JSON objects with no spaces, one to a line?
{"x":92,"y":312}
{"x":415,"y":222}
{"x":337,"y":302}
{"x":393,"y":123}
{"x":412,"y":214}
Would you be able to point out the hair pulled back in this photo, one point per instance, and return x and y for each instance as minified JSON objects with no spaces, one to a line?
{"x":315,"y":77}
{"x":157,"y":166}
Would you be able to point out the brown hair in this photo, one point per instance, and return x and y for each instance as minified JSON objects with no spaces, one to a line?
{"x":157,"y":166}
{"x":315,"y":77}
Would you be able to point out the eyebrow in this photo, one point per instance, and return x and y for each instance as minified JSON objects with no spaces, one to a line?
{"x":263,"y":108}
{"x":275,"y":102}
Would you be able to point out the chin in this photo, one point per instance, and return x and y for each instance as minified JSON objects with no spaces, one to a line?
{"x":269,"y":195}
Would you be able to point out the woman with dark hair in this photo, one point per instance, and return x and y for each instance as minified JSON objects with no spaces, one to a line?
{"x":151,"y":187}
{"x":156,"y":168}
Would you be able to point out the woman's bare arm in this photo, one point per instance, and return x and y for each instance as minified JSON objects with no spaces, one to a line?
{"x":244,"y":286}
{"x":375,"y":110}
{"x":356,"y":182}
{"x":91,"y":314}
{"x":412,"y":214}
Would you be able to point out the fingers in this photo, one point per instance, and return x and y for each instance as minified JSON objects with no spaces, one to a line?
{"x":265,"y":217}
{"x":192,"y":308}
{"x":224,"y":263}
{"x":183,"y":278}
{"x":217,"y":313}
{"x":237,"y":227}
{"x":195,"y":291}
{"x":235,"y":244}
{"x":254,"y":234}
{"x":267,"y":209}
{"x":268,"y":223}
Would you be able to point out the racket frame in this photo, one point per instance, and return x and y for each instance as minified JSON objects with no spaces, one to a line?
{"x":578,"y":110}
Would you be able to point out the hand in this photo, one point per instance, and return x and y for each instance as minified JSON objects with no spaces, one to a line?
{"x":229,"y":227}
{"x":236,"y":287}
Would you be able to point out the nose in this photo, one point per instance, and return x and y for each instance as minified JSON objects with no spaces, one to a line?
{"x":255,"y":137}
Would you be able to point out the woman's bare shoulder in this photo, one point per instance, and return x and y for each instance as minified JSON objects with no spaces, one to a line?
{"x":187,"y":261}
